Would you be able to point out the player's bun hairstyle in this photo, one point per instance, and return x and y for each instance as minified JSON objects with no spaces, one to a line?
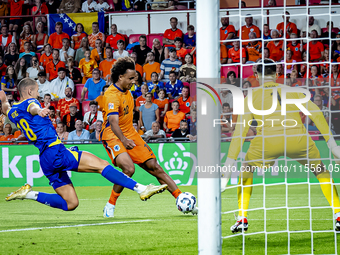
{"x":24,"y":84}
{"x":120,"y":67}
{"x":268,"y":69}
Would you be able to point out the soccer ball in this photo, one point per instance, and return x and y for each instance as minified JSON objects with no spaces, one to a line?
{"x":186,"y":202}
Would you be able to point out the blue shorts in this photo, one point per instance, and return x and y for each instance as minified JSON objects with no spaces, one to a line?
{"x":55,"y":161}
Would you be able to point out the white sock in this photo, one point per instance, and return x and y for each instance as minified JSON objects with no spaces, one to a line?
{"x":139,"y":188}
{"x":33,"y":195}
{"x":337,"y":215}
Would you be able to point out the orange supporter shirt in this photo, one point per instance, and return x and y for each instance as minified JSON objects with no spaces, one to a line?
{"x":23,"y":41}
{"x":149,"y":69}
{"x":181,"y":53}
{"x":63,"y":106}
{"x":253,"y":51}
{"x":314,"y":50}
{"x":6,"y":138}
{"x":280,"y":79}
{"x":223,"y":52}
{"x":106,"y":66}
{"x":296,"y":51}
{"x":76,"y":39}
{"x":246,"y":30}
{"x":118,"y":102}
{"x":235,"y":55}
{"x":95,"y":55}
{"x":52,"y":69}
{"x":253,"y":81}
{"x":112,"y":40}
{"x":184,"y":106}
{"x":93,"y":38}
{"x":173,"y":121}
{"x":87,"y":67}
{"x":139,"y":69}
{"x":275,"y":51}
{"x":56,"y":40}
{"x":44,"y":59}
{"x":161,"y":103}
{"x":141,"y":100}
{"x":225,"y":32}
{"x":171,"y":35}
{"x":289,"y":26}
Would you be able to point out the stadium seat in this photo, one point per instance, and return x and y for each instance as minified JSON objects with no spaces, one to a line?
{"x":134,"y":38}
{"x":38,"y":55}
{"x":226,"y":69}
{"x":247,"y":71}
{"x":150,"y":38}
{"x":85,"y":106}
{"x":192,"y":89}
{"x":334,"y":29}
{"x":186,"y":84}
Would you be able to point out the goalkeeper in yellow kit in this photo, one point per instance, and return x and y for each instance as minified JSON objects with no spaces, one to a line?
{"x":273,"y":140}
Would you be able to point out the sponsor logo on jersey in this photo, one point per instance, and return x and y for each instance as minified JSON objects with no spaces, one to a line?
{"x":111,"y":106}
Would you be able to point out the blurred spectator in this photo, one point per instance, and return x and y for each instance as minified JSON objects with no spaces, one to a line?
{"x":193,"y":123}
{"x":311,"y":26}
{"x":103,"y":6}
{"x":266,"y":53}
{"x":150,"y":67}
{"x":158,"y":49}
{"x":253,"y":78}
{"x":39,"y":9}
{"x":254,"y":49}
{"x":271,"y":3}
{"x":92,"y":116}
{"x":9,"y":81}
{"x":173,"y":118}
{"x":98,"y":53}
{"x":47,"y":56}
{"x":154,"y":133}
{"x":40,"y":39}
{"x":188,"y":71}
{"x":47,"y":100}
{"x":227,"y":97}
{"x":7,"y":134}
{"x":44,"y":85}
{"x":275,"y":47}
{"x":20,"y":69}
{"x":280,"y":77}
{"x":56,"y":39}
{"x":294,"y":81}
{"x":162,"y":103}
{"x":59,"y":84}
{"x":314,"y":80}
{"x":136,"y":87}
{"x":121,"y":53}
{"x":27,"y":54}
{"x":335,"y":78}
{"x":226,"y":116}
{"x":63,"y":106}
{"x":96,"y":134}
{"x":12,"y":56}
{"x":93,"y":85}
{"x":122,"y":5}
{"x":223,"y":54}
{"x":232,"y":79}
{"x":266,"y":32}
{"x":170,"y":64}
{"x":155,"y":85}
{"x":73,"y":71}
{"x":53,"y":66}
{"x":52,"y":116}
{"x":2,"y":117}
{"x":84,"y":45}
{"x":180,"y":51}
{"x":79,"y":133}
{"x":148,"y":112}
{"x":112,"y":39}
{"x":69,"y":6}
{"x":142,"y":50}
{"x":106,"y":65}
{"x":63,"y":135}
{"x":78,"y":36}
{"x":182,"y":131}
{"x":245,"y":87}
{"x":52,"y":6}
{"x":190,"y":38}
{"x":6,"y":38}
{"x":96,"y":34}
{"x":160,"y":6}
{"x":70,"y":119}
{"x":227,"y":31}
{"x":173,"y":86}
{"x":100,"y":99}
{"x":15,"y":8}
{"x":296,"y":48}
{"x":35,"y":68}
{"x":170,"y":34}
{"x":325,"y":65}
{"x":246,"y":29}
{"x":3,"y":67}
{"x":135,"y":126}
{"x":87,"y":65}
{"x":3,"y":12}
{"x":316,"y":48}
{"x":234,"y":53}
{"x":138,"y":67}
{"x":290,"y":27}
{"x":25,"y":36}
{"x":290,"y":60}
{"x":328,"y":33}
{"x":139,"y":5}
{"x":66,"y":51}
{"x":89,"y":6}
{"x":184,"y":100}
{"x":142,"y":98}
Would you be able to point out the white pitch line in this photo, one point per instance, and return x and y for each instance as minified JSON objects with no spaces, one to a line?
{"x":74,"y":226}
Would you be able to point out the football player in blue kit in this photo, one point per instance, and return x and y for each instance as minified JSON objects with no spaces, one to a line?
{"x":55,"y":158}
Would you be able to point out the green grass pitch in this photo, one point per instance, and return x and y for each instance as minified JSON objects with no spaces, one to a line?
{"x":156,"y":227}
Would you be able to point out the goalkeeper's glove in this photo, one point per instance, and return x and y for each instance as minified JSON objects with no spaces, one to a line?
{"x":335,"y":149}
{"x":229,"y":163}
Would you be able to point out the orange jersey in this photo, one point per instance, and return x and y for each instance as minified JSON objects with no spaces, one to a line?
{"x":223,"y":52}
{"x":64,"y":106}
{"x":315,"y":50}
{"x":141,"y":100}
{"x":52,"y":69}
{"x":76,"y":39}
{"x":161,"y":103}
{"x":95,"y":55}
{"x":171,"y":35}
{"x":253,"y":51}
{"x":291,"y":28}
{"x":149,"y":69}
{"x":184,"y":106}
{"x":44,"y":59}
{"x":106,"y":66}
{"x":118,"y":102}
{"x":235,"y":55}
{"x":6,"y":138}
{"x":56,"y":40}
{"x":296,"y":51}
{"x":245,"y":32}
{"x":23,"y":41}
{"x":280,"y":79}
{"x":139,"y":69}
{"x":92,"y":39}
{"x":173,"y":121}
{"x":275,"y":51}
{"x":87,"y":67}
{"x":253,"y":81}
{"x":112,"y":40}
{"x":225,"y":32}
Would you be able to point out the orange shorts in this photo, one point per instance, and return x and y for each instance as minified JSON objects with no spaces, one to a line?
{"x":139,"y":154}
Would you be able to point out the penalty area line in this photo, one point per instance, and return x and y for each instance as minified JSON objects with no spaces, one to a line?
{"x":74,"y":226}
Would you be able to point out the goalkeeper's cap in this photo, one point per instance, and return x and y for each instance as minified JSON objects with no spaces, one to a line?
{"x":269,"y":67}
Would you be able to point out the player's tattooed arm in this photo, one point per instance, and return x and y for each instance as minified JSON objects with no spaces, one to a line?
{"x":4,"y":102}
{"x":114,"y":123}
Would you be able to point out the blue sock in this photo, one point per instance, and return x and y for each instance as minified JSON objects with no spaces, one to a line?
{"x":117,"y":177}
{"x":53,"y":200}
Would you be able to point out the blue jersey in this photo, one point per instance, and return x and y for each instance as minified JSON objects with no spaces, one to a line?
{"x":152,"y":88}
{"x":174,"y":90}
{"x":36,"y":129}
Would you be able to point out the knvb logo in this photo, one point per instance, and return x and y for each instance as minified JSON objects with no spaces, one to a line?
{"x":238,"y":99}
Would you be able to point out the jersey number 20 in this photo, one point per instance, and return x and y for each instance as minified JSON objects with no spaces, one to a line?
{"x":26,"y":128}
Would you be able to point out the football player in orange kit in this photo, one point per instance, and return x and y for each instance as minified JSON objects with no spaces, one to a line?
{"x":123,"y":144}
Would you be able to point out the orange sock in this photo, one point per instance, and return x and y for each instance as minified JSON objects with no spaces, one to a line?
{"x":176,"y":193}
{"x":113,"y":198}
